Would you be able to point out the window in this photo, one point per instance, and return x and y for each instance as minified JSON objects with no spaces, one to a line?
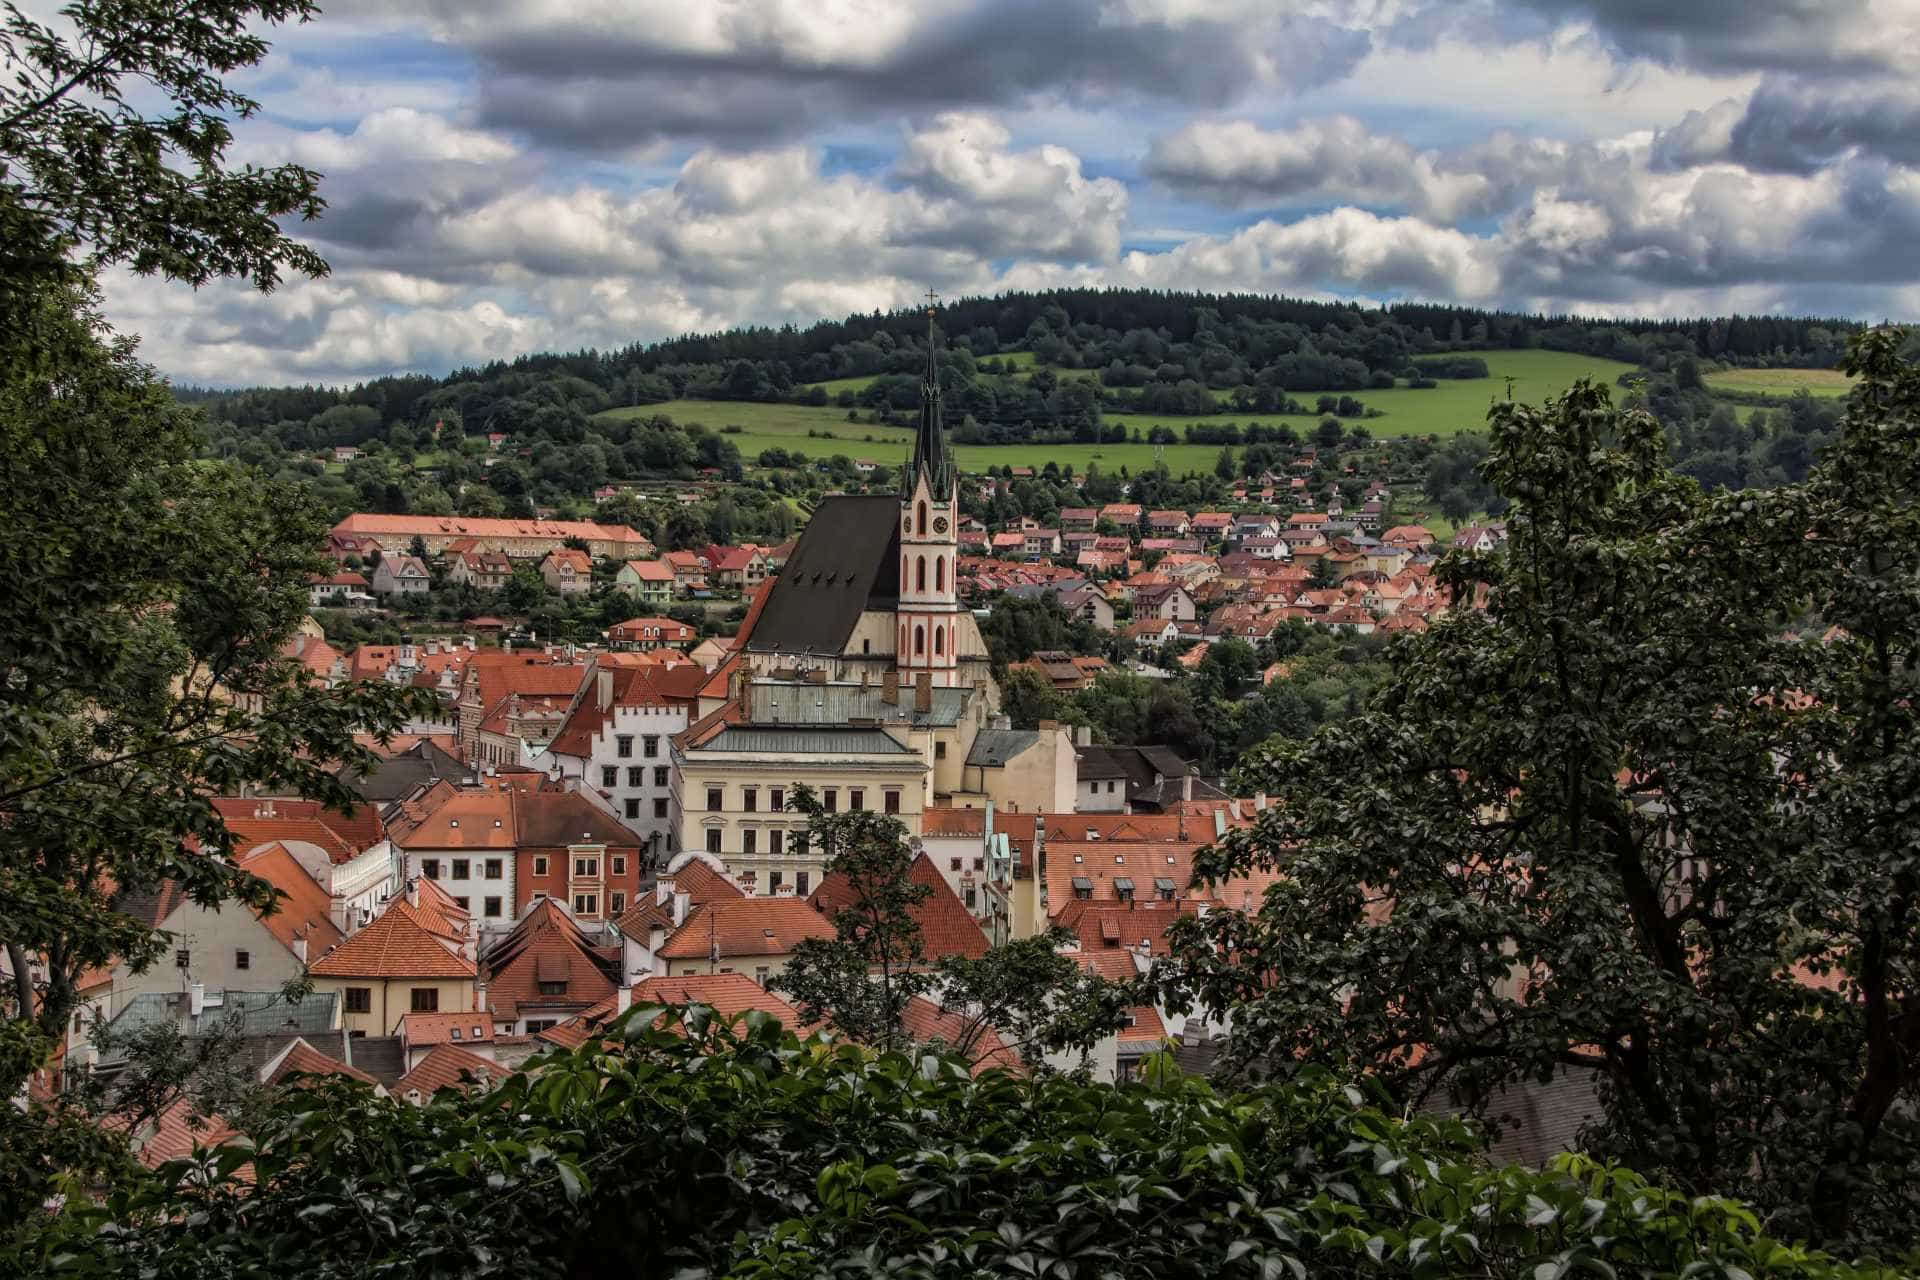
{"x":891,"y":801}
{"x":609,"y":775}
{"x":920,"y":519}
{"x":493,"y":868}
{"x":454,"y":1034}
{"x":585,"y":904}
{"x":830,"y":800}
{"x":660,"y":808}
{"x":182,"y":959}
{"x":583,"y":867}
{"x":616,"y":903}
{"x":536,"y":1025}
{"x":242,"y":960}
{"x":919,"y":640}
{"x":939,"y":640}
{"x":774,"y":840}
{"x":761,"y":973}
{"x":617,"y":865}
{"x":430,"y":868}
{"x":750,"y":799}
{"x":623,"y":746}
{"x":774,"y":879}
{"x":856,"y":799}
{"x":716,"y":798}
{"x":540,"y":864}
{"x":953,"y":864}
{"x":659,"y":775}
{"x":426,"y":999}
{"x":940,"y":574}
{"x":920,"y":573}
{"x":464,"y":904}
{"x":359,"y":999}
{"x":462,"y":869}
{"x":636,"y":775}
{"x":972,"y":898}
{"x":800,"y":883}
{"x":713,"y":839}
{"x":633,"y":806}
{"x":777,"y":799}
{"x":748,"y":840}
{"x":652,"y":745}
{"x":939,"y":751}
{"x":490,"y":906}
{"x":979,"y":864}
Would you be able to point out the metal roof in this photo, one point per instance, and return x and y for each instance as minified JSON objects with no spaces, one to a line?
{"x":252,"y":1013}
{"x":995,"y":747}
{"x":797,"y":702}
{"x":783,"y":740}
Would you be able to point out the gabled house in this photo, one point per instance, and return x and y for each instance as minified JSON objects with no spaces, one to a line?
{"x":648,"y":581}
{"x":753,"y":936}
{"x":481,"y":570}
{"x":646,"y":634}
{"x":546,"y":971}
{"x":567,"y":571}
{"x":398,"y":575}
{"x":414,"y":958}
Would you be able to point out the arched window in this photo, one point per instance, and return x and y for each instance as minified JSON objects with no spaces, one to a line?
{"x":920,"y":520}
{"x":919,"y":640}
{"x":903,"y":639}
{"x":939,"y":640}
{"x":920,"y":573}
{"x":940,"y":574}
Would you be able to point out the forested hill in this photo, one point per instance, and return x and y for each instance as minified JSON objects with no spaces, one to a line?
{"x":1149,"y":350}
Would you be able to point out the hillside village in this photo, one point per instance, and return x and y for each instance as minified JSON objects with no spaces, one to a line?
{"x":584,"y":825}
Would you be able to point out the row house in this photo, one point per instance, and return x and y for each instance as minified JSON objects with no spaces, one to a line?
{"x":741,"y":568}
{"x":1040,"y":542}
{"x":1079,"y":519}
{"x":1168,"y":524}
{"x":522,"y":539}
{"x":617,"y":739}
{"x":1212,"y":525}
{"x":1124,"y":514}
{"x":497,"y":853}
{"x":646,"y":634}
{"x":344,"y":589}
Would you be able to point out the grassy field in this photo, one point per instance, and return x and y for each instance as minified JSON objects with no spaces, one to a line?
{"x":1782,"y":382}
{"x":834,"y":386}
{"x":1448,"y":409}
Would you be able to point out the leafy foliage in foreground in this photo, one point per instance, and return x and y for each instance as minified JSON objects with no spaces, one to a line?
{"x":743,"y":1151}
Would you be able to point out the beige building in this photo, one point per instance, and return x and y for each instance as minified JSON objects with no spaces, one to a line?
{"x":416,"y":957}
{"x":754,"y":937}
{"x":521,"y":539}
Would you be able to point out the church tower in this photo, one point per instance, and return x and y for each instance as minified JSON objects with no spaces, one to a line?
{"x":929,"y":614}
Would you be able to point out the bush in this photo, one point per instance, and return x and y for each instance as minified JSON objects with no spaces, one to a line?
{"x":1452,"y":366}
{"x":740,"y":1150}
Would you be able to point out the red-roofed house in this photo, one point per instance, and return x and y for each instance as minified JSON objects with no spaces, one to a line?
{"x":946,"y":926}
{"x":393,"y":967}
{"x":547,"y":970}
{"x":649,"y":633}
{"x":617,"y":740}
{"x":752,"y":936}
{"x":648,"y":581}
{"x":445,"y":1066}
{"x":567,"y":571}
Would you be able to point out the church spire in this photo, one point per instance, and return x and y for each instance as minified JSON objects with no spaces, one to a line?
{"x":930,"y":441}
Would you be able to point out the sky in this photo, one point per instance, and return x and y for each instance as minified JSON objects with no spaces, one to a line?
{"x":507,"y":176}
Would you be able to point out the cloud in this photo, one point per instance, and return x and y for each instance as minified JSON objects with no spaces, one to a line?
{"x":1240,"y":165}
{"x":736,"y":73}
{"x":1748,"y":35}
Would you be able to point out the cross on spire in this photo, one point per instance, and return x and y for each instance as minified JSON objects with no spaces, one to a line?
{"x":932,"y":298}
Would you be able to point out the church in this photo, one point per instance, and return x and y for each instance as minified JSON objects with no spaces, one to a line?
{"x":871,"y":586}
{"x":858,"y":673}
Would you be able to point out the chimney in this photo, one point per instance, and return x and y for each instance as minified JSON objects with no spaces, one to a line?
{"x":923,"y":692}
{"x":196,"y":999}
{"x":480,"y":995}
{"x":300,"y":948}
{"x":1186,"y":785}
{"x":603,"y":689}
{"x":890,"y":688}
{"x":623,"y":995}
{"x":681,"y":901}
{"x":818,"y":675}
{"x":1083,"y":735}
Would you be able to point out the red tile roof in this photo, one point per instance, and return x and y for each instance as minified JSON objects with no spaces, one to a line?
{"x":943,"y":821}
{"x":548,"y":947}
{"x":303,"y":1059}
{"x":700,"y":882}
{"x":746,"y":927}
{"x":446,"y":1028}
{"x":926,"y":1021}
{"x":305,"y":909}
{"x":394,"y":945}
{"x":946,"y":927}
{"x":177,"y":1131}
{"x":442,"y":1067}
{"x":725,"y":993}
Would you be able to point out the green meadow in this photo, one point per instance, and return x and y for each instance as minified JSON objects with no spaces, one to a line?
{"x":1447,"y":409}
{"x":1781,"y":382}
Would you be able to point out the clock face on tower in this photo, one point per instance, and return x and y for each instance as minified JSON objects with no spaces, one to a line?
{"x":906,"y":524}
{"x":939,"y":524}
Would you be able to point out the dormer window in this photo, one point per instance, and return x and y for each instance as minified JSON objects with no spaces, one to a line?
{"x":1123,"y":888}
{"x":1083,"y":888}
{"x":455,"y":1033}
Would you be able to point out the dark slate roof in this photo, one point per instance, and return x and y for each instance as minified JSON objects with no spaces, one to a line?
{"x":810,"y":740}
{"x":550,"y":819}
{"x":846,"y":562}
{"x":993,"y":748}
{"x":1136,"y":764}
{"x":399,"y":775}
{"x":381,"y":1057}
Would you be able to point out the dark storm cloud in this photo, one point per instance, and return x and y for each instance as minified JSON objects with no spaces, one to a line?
{"x":1731,"y":35}
{"x":585,"y":86}
{"x":1792,"y":124}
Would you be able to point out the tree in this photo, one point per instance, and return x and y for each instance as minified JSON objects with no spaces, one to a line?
{"x":1035,"y":997}
{"x":1627,"y":823}
{"x":860,"y":982}
{"x":149,"y":595}
{"x":810,"y":1163}
{"x":1223,"y":465}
